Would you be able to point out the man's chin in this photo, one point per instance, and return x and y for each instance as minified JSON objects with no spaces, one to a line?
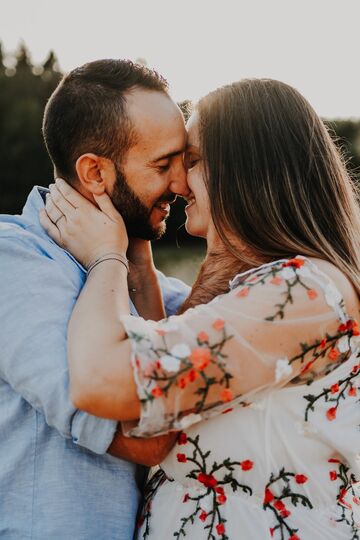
{"x":148,"y":231}
{"x":159,"y":230}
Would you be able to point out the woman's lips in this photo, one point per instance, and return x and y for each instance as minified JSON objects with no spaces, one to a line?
{"x":191,"y":202}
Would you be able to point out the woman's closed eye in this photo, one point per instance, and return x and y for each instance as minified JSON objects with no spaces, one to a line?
{"x":191,"y":160}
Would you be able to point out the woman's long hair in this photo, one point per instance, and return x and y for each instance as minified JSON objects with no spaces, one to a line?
{"x":275,"y":178}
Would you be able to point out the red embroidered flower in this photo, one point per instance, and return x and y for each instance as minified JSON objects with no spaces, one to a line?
{"x":350,"y":325}
{"x":285,"y":513}
{"x":247,"y":465}
{"x":334,"y":388}
{"x":244,"y":291}
{"x":277,"y":280}
{"x":333,"y":354}
{"x":157,"y":391}
{"x":182,"y":439}
{"x":322,"y":344}
{"x":334,"y":460}
{"x":301,"y":478}
{"x":221,"y":499}
{"x":342,"y":501}
{"x":182,"y":382}
{"x":200,"y":358}
{"x":192,"y":375}
{"x":355,"y":369}
{"x":294,"y":537}
{"x":308,"y":366}
{"x":226,"y":395}
{"x":279,"y":505}
{"x":333,"y":475}
{"x":220,"y":528}
{"x":269,"y":496}
{"x":352,"y":391}
{"x":219,"y":324}
{"x":202,"y":336}
{"x":272,"y":531}
{"x":203,"y":515}
{"x":181,"y":458}
{"x":186,"y":498}
{"x":208,"y":480}
{"x":312,"y":294}
{"x":331,"y":413}
{"x":295,"y":263}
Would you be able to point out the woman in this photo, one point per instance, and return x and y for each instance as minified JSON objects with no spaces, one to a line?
{"x":271,"y":362}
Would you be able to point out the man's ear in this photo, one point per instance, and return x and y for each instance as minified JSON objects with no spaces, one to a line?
{"x":96,"y":174}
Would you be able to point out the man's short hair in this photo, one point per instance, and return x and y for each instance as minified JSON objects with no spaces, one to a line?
{"x":87,"y":112}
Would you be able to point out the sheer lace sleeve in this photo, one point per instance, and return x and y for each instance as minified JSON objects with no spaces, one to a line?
{"x":279,"y":324}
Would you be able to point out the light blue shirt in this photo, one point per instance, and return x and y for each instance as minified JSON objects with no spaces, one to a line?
{"x":56,"y":480}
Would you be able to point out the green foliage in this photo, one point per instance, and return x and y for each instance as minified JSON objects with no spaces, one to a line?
{"x":24,"y":162}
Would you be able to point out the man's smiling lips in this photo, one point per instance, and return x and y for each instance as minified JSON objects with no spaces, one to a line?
{"x":164,"y":207}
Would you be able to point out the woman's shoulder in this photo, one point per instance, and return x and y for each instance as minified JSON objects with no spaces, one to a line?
{"x":304,"y":271}
{"x":342,"y":283}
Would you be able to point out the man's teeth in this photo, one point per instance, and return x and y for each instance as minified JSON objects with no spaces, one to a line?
{"x":163,"y":206}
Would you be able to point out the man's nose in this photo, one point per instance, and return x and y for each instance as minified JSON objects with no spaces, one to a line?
{"x":178,"y":180}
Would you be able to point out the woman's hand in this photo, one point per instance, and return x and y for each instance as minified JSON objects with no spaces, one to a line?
{"x":79,"y":227}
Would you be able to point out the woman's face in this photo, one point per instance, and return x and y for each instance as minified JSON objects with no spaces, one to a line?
{"x":198,"y":209}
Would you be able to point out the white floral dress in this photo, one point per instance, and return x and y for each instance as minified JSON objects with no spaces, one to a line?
{"x":264,"y":384}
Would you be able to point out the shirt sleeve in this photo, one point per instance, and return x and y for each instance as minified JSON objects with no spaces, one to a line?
{"x":37,"y":297}
{"x":174,"y":293}
{"x":278,"y":325}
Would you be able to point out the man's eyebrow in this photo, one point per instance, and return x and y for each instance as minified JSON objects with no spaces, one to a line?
{"x":192,"y":147}
{"x":170,"y":155}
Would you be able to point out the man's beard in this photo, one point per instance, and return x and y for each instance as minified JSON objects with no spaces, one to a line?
{"x":135,"y":214}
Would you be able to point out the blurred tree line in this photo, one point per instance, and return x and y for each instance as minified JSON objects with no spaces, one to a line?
{"x":24,"y":162}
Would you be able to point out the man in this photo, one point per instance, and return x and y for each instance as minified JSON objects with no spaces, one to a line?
{"x":108,"y":124}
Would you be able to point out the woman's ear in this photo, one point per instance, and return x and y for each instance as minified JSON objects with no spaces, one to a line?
{"x":96,"y":174}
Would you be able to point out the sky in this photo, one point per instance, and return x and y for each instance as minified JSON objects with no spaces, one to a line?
{"x":198,"y":45}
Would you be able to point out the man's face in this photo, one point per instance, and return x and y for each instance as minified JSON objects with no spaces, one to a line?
{"x":152,"y":172}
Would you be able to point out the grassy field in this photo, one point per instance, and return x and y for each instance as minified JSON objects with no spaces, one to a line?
{"x":181,"y":262}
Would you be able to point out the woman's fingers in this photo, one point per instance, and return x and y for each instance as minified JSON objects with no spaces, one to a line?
{"x":105,"y":204}
{"x":53,"y":212}
{"x":49,"y":226}
{"x":61,"y":202}
{"x":69,"y":194}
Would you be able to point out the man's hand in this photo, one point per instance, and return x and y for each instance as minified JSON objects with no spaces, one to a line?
{"x":148,"y":452}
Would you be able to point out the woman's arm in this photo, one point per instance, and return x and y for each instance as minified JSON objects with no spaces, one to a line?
{"x":182,"y":368}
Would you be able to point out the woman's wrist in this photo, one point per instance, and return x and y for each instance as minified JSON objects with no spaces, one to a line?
{"x":111,"y":256}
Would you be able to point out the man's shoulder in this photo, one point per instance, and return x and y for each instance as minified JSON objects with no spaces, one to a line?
{"x":15,"y":236}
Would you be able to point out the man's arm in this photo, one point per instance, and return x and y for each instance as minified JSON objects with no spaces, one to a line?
{"x":148,"y":452}
{"x":37,"y":296}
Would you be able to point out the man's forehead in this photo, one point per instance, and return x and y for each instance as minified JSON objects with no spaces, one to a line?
{"x":157,"y":122}
{"x":149,"y":107}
